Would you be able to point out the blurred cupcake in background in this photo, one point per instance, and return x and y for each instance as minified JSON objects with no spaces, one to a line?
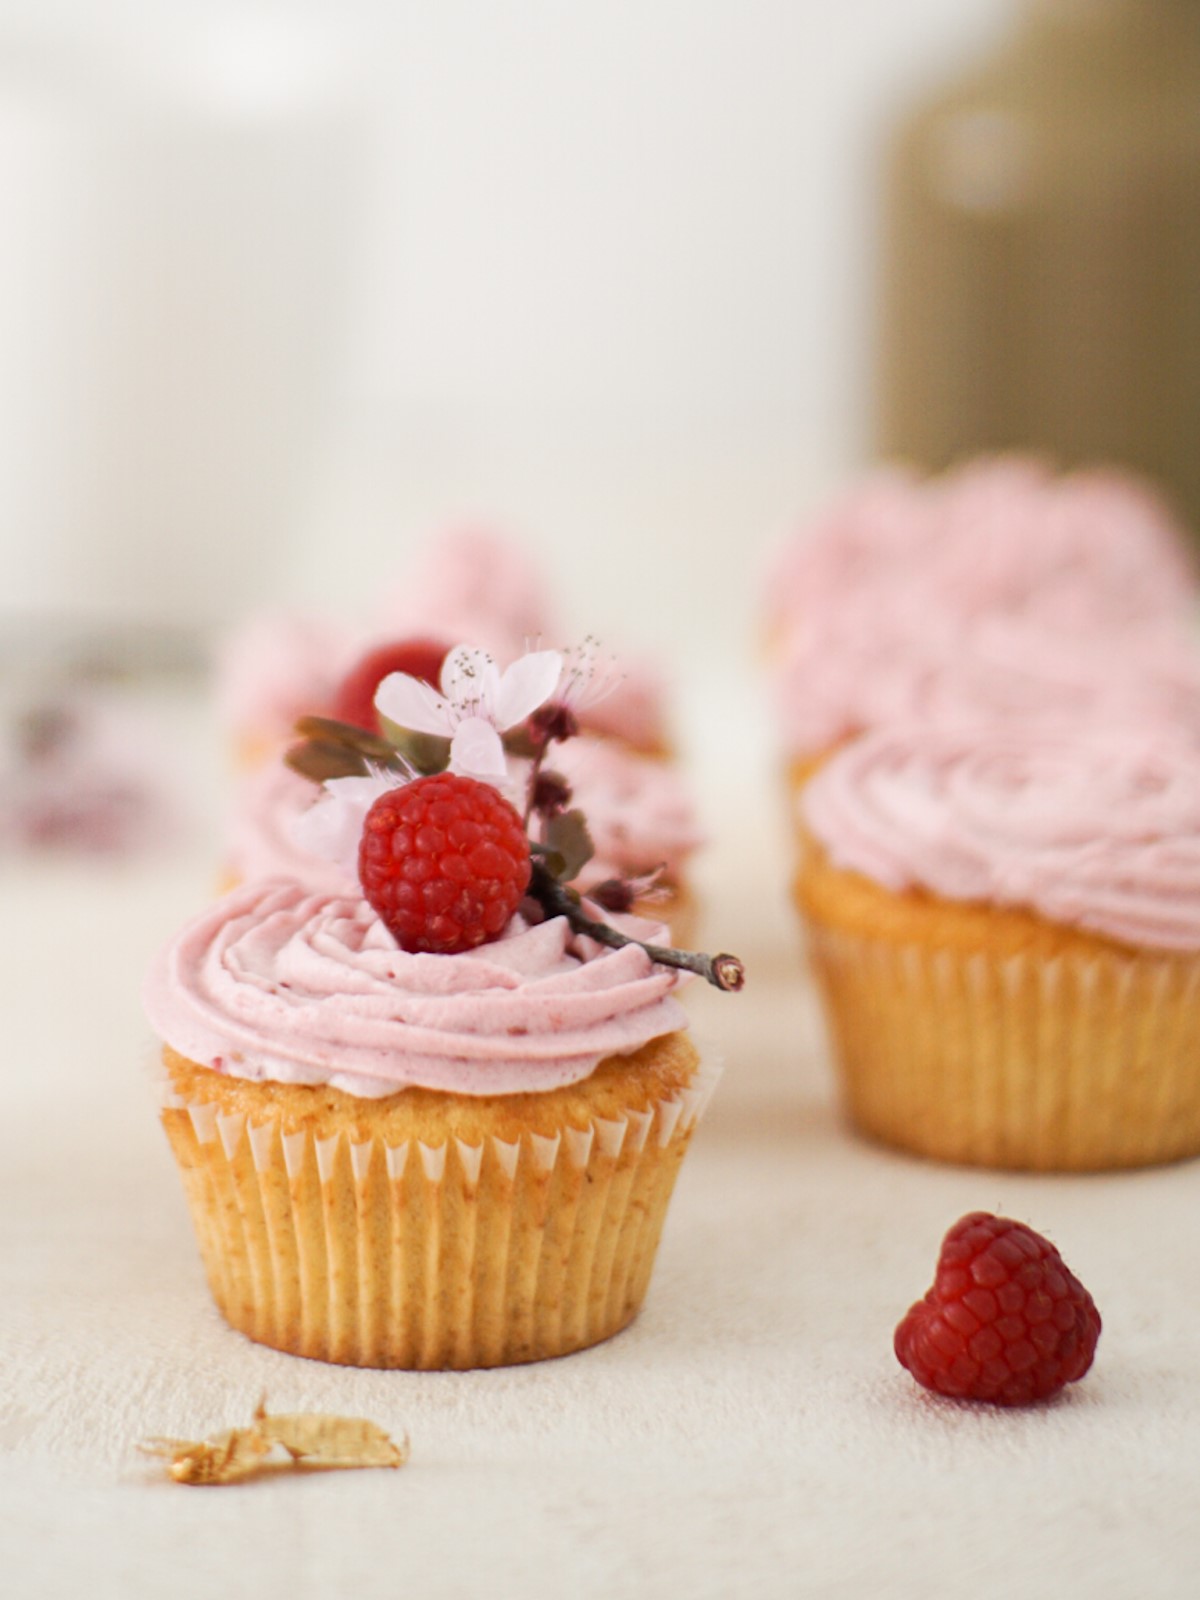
{"x":844,"y":677}
{"x":998,"y":591}
{"x":1006,"y":534}
{"x":644,"y":828}
{"x":469,"y":583}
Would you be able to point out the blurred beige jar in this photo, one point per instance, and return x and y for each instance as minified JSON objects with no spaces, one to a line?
{"x":1041,"y":264}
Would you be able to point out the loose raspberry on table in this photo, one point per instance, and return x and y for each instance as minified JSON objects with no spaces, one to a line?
{"x":444,"y":860}
{"x":1005,"y":1320}
{"x":354,"y":701}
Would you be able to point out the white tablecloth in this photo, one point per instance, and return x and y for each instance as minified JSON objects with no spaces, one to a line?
{"x":751,"y":1434}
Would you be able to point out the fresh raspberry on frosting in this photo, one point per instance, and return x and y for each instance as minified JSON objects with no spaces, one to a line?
{"x":278,"y":982}
{"x":444,"y":860}
{"x":1005,"y":1320}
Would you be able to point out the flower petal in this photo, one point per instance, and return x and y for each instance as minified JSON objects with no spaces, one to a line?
{"x":470,"y":681}
{"x":332,"y":826}
{"x":525,"y":685}
{"x":588,"y":675}
{"x":476,"y":751}
{"x":412,"y":704}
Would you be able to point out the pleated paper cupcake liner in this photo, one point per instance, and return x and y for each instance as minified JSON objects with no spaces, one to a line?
{"x":430,"y":1255}
{"x":1079,"y":1062}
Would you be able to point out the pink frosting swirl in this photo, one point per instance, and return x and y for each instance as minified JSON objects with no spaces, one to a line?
{"x":260,"y":844}
{"x":1098,"y":830}
{"x":1085,"y":548}
{"x":635,"y":709}
{"x":1089,"y":547}
{"x":473,"y":585}
{"x":639,"y":812}
{"x":869,"y":541}
{"x":1014,"y":669}
{"x":275,"y":982}
{"x":846,"y":675}
{"x":278,"y":667}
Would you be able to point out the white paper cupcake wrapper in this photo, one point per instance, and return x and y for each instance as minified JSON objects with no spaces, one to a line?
{"x":1069,"y":1064}
{"x":431,"y":1255}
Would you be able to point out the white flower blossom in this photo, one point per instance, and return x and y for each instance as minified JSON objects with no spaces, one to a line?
{"x":476,"y":705}
{"x":332,"y":826}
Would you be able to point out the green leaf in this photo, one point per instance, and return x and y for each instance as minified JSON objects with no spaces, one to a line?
{"x":554,"y":863}
{"x":328,"y":731}
{"x":567,"y":837}
{"x":427,"y":752}
{"x":320,"y":760}
{"x":518,"y":743}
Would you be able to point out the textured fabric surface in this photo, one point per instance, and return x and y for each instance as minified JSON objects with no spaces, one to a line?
{"x":751,"y":1433}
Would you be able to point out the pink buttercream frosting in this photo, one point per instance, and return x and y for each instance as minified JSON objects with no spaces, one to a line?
{"x":635,"y":709}
{"x":1081,"y":549}
{"x":639,"y":811}
{"x":847,"y":674}
{"x":276,"y":982}
{"x":261,"y":845}
{"x":473,"y":584}
{"x":278,"y":667}
{"x":1098,"y":830}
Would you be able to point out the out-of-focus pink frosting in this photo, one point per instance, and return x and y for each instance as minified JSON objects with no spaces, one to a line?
{"x":639,"y":812}
{"x":471,"y":586}
{"x":277,"y":983}
{"x":869,"y":541}
{"x":1085,"y":548}
{"x":1098,"y":830}
{"x":635,"y":709}
{"x":476,"y":586}
{"x":845,"y":675}
{"x":848,"y":672}
{"x":260,"y":844}
{"x":1015,"y":670}
{"x":277,"y":668}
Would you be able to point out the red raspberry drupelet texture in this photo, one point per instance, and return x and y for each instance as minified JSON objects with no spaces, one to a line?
{"x":1005,"y":1320}
{"x":444,"y":860}
{"x":354,"y":701}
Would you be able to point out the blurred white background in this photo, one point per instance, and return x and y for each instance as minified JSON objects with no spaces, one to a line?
{"x":285,"y":289}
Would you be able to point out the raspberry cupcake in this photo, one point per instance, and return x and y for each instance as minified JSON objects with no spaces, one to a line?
{"x":432,"y":1120}
{"x":1005,"y":929}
